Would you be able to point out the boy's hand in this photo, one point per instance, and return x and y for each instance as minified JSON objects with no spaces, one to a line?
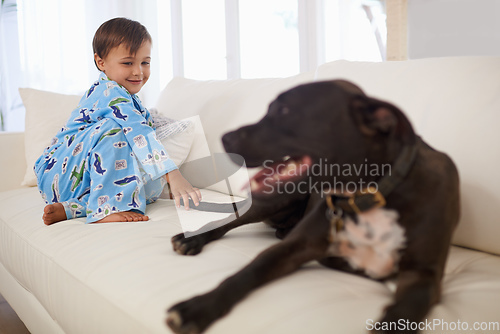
{"x":180,"y":187}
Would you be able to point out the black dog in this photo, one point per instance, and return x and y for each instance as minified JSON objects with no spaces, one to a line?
{"x":350,"y":186}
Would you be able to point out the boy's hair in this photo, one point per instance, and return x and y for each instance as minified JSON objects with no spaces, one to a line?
{"x":117,"y":31}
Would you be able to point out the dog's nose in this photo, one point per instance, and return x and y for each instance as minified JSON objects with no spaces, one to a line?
{"x":231,"y":139}
{"x":227,"y":139}
{"x":235,"y":135}
{"x":242,"y":134}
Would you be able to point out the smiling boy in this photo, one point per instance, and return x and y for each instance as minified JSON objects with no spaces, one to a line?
{"x":99,"y":165}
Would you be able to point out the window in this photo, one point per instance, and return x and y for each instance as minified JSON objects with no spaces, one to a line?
{"x":198,"y":39}
{"x":354,"y":30}
{"x":220,"y":39}
{"x":204,"y":42}
{"x":269,"y":38}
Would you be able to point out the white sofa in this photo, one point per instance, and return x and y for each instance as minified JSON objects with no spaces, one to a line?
{"x":121,"y":277}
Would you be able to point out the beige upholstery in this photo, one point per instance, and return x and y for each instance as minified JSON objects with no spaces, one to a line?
{"x":121,"y":277}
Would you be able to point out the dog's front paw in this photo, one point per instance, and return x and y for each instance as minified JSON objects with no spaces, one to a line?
{"x":188,"y":246}
{"x":395,"y":321}
{"x":178,"y":326}
{"x":175,"y":322}
{"x":192,"y":316}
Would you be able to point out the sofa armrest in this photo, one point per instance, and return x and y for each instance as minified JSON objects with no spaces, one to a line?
{"x":13,"y":164}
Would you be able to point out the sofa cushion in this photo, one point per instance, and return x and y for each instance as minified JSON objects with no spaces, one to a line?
{"x":175,"y":135}
{"x":454,"y":105}
{"x":223,"y":106}
{"x":122,"y":277}
{"x":46,"y":113}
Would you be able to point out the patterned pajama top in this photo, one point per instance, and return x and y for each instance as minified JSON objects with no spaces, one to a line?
{"x":106,"y":158}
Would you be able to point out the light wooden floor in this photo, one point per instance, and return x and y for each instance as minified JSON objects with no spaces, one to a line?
{"x":9,"y":322}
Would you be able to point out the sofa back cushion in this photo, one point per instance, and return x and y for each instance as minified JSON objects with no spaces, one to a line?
{"x":46,"y":114}
{"x":222,"y":106}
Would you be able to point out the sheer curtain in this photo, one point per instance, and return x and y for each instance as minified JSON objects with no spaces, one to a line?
{"x":10,"y":103}
{"x":199,"y":39}
{"x":54,"y":45}
{"x":56,"y":40}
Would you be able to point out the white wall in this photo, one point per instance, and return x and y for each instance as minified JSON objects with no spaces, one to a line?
{"x":439,"y":28}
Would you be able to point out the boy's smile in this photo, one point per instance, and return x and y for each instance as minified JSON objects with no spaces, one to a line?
{"x":130,"y":71}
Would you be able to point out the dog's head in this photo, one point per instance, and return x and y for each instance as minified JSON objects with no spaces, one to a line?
{"x":329,"y":122}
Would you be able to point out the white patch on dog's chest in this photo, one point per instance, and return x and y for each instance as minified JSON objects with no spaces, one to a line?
{"x":372,"y":244}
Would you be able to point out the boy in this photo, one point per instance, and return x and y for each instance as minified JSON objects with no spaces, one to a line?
{"x":106,"y":163}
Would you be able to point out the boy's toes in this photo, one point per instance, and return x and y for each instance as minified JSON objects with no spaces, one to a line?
{"x":53,"y":213}
{"x":125,"y":216}
{"x":137,"y":217}
{"x":48,"y":209}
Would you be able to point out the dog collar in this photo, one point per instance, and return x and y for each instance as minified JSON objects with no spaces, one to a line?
{"x":371,"y":197}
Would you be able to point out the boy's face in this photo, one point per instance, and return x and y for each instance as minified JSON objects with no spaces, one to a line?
{"x":130,"y":71}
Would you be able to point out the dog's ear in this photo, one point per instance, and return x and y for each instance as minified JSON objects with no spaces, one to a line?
{"x":374,"y":117}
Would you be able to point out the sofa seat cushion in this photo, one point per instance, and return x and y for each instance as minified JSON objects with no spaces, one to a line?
{"x":121,"y":277}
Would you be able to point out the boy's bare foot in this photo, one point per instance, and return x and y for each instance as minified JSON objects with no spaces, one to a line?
{"x":53,"y":213}
{"x":125,"y":216}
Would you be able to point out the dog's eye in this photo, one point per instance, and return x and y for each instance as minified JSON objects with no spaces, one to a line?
{"x":277,"y":111}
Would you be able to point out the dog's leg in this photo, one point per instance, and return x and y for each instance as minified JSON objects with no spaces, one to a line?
{"x":257,"y":211}
{"x":193,"y":245}
{"x":423,"y":263}
{"x":417,"y":292}
{"x":419,"y":278}
{"x":307,"y":242}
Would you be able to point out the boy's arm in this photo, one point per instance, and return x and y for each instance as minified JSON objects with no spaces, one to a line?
{"x":181,"y":188}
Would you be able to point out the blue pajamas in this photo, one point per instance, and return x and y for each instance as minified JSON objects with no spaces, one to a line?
{"x":106,"y":158}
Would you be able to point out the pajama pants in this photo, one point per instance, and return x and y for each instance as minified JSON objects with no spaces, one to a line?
{"x":94,"y":173}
